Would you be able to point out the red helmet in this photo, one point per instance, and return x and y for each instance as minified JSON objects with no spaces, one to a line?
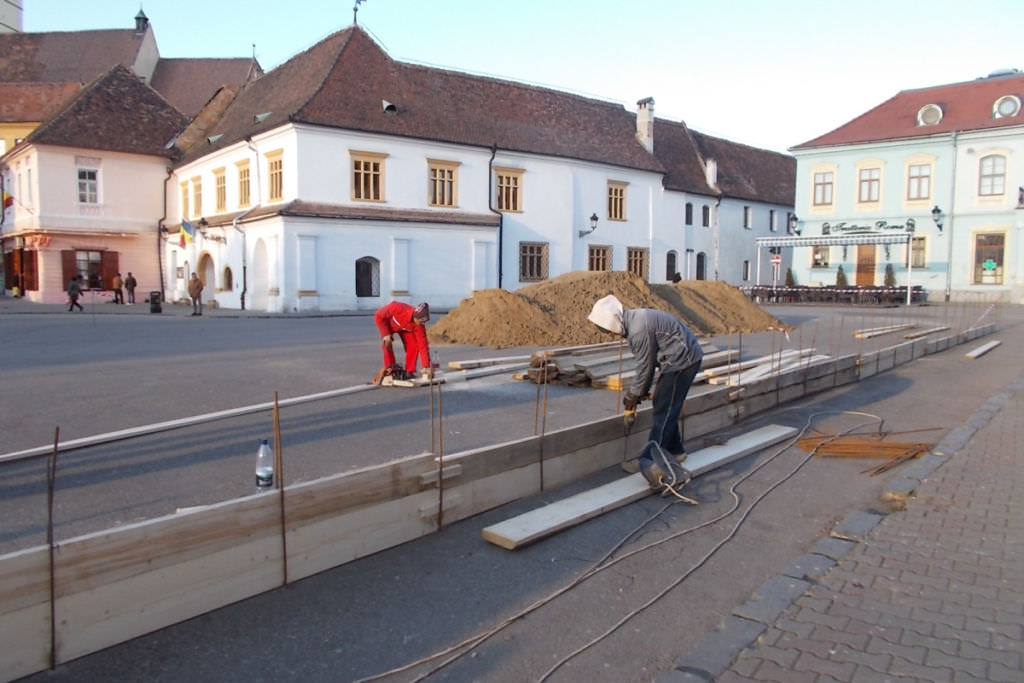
{"x":422,"y":312}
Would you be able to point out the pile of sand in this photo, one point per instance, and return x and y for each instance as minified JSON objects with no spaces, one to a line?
{"x":554,"y":312}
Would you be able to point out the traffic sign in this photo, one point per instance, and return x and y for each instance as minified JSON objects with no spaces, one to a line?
{"x":776,"y":259}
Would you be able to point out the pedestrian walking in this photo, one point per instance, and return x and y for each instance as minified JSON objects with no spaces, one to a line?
{"x":129,"y":284}
{"x":74,"y":291}
{"x":195,"y":291}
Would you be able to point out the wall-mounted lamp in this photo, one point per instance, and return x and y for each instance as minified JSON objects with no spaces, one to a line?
{"x":938,"y":217}
{"x":794,"y":224}
{"x":593,"y":226}
{"x":203,"y":225}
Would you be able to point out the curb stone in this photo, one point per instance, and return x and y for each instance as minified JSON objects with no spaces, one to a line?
{"x":705,"y":661}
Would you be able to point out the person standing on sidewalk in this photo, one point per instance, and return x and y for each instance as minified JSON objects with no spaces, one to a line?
{"x":658,"y":341}
{"x":117,"y":284}
{"x":130,"y":284}
{"x":195,"y":292}
{"x":74,"y":291}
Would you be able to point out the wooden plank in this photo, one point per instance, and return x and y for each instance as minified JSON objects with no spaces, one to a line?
{"x":484,"y":362}
{"x":983,"y":349}
{"x":545,"y":521}
{"x":878,"y":331}
{"x":925,"y":333}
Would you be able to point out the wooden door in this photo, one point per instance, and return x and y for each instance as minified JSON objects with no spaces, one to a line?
{"x":865,"y":265}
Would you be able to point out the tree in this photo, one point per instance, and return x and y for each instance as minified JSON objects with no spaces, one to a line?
{"x":790,"y":278}
{"x":890,"y":276}
{"x":841,"y":278}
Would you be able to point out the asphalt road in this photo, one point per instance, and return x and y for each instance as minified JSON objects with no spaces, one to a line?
{"x":92,"y":375}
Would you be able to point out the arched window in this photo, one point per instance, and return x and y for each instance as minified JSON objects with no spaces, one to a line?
{"x":227,"y":280}
{"x":702,"y":267}
{"x":670,"y":266}
{"x":367,"y":276}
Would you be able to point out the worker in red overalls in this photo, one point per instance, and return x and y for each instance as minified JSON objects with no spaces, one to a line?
{"x":408,"y":322}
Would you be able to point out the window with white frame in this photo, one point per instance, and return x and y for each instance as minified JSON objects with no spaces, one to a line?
{"x":869,"y":185}
{"x":88,"y":185}
{"x":919,"y":181}
{"x":823,"y":187}
{"x":992,"y":175}
{"x":819,"y":256}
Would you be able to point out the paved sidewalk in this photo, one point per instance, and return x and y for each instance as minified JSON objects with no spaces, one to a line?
{"x":934,"y":592}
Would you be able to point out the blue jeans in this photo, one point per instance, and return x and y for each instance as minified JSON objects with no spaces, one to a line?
{"x":669,"y":395}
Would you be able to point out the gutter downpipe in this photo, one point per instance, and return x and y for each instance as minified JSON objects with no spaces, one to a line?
{"x":159,"y":244}
{"x":234,"y":223}
{"x":490,"y":205}
{"x":949,"y":222}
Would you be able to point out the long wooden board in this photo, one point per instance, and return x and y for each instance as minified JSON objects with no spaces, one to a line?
{"x":550,"y":519}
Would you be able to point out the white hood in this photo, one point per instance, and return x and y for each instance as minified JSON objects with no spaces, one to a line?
{"x":607,"y":313}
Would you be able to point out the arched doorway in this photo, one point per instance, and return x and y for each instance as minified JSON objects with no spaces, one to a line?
{"x":702,"y":266}
{"x":367,"y":277}
{"x":207,"y":275}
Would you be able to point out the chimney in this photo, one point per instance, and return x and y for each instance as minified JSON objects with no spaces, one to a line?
{"x":645,"y":123}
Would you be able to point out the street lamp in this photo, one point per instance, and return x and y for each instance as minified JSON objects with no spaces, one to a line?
{"x":938,"y":217}
{"x":593,"y":226}
{"x":794,"y":222}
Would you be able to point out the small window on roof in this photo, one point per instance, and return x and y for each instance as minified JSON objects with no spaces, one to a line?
{"x":929,"y":115}
{"x":1007,"y":105}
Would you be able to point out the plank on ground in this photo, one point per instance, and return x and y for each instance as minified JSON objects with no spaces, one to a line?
{"x":545,"y":521}
{"x":983,"y":349}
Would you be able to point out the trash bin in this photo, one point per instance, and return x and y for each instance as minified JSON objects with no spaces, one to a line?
{"x":154,"y":302}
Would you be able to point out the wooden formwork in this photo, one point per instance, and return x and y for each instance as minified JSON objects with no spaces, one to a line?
{"x":114,"y":585}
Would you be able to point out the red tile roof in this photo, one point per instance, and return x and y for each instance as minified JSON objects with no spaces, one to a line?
{"x":342,"y":81}
{"x":966,"y":106}
{"x":750,"y":173}
{"x":65,"y":56}
{"x":189,"y":84}
{"x":32,"y":102}
{"x":116,"y":112}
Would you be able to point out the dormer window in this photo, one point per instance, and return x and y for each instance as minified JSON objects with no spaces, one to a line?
{"x":929,"y":115}
{"x":1005,"y":106}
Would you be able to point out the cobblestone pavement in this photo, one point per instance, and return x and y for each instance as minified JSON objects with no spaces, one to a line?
{"x":934,"y":592}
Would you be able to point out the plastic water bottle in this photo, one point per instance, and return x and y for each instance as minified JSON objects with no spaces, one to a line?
{"x":264,"y":466}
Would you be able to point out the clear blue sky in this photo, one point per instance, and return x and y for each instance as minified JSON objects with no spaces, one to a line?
{"x":769,"y":73}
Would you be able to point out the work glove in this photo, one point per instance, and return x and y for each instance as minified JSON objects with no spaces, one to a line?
{"x":629,"y":402}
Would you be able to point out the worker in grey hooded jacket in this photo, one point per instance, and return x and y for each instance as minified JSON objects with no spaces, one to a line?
{"x":658,"y":341}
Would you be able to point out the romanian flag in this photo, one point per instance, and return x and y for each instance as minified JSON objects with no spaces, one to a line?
{"x":188,"y":233}
{"x":8,"y":200}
